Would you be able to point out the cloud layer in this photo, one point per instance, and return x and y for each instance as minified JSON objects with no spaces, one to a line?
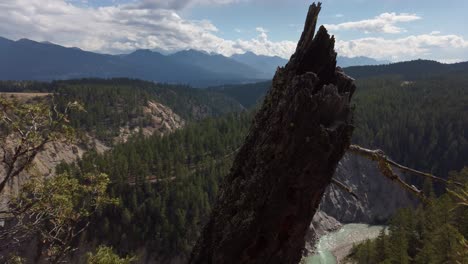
{"x":384,"y":23}
{"x":180,"y":4}
{"x":401,"y":48}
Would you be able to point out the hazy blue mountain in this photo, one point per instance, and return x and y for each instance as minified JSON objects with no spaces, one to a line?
{"x":29,"y":60}
{"x":150,"y":65}
{"x":4,"y":41}
{"x":219,"y":64}
{"x":267,"y":65}
{"x":358,"y":61}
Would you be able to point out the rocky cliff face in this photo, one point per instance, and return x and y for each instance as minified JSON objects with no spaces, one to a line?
{"x":321,"y":225}
{"x":44,"y":165}
{"x":379,"y":197}
{"x":159,"y":119}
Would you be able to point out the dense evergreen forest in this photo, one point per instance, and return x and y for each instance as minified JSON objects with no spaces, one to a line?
{"x":165,"y":185}
{"x":420,"y":124}
{"x":248,"y":95}
{"x":433,"y":233}
{"x":408,"y":70}
{"x":114,"y":103}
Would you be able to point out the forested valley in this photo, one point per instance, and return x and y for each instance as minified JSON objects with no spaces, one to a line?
{"x":166,"y":185}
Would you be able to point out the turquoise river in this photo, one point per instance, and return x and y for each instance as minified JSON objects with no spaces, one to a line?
{"x":335,"y":246}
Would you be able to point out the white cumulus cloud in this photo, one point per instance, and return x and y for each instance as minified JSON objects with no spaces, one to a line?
{"x":384,"y":23}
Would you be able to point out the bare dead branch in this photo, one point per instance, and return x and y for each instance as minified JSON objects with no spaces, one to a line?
{"x":385,"y":166}
{"x":379,"y":155}
{"x":345,"y":188}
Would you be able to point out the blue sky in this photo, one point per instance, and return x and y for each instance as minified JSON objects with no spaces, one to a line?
{"x":384,"y":29}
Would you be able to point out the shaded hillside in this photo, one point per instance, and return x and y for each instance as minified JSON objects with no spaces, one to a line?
{"x":410,"y":70}
{"x":419,"y":123}
{"x":248,"y":95}
{"x":189,"y":103}
{"x":267,"y":65}
{"x":123,"y":103}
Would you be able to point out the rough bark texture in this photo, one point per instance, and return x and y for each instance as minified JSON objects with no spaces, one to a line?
{"x":288,"y":159}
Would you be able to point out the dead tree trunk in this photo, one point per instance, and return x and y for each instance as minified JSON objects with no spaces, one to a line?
{"x":288,"y":159}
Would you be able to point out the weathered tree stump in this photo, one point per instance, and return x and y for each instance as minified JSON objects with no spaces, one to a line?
{"x":288,"y":159}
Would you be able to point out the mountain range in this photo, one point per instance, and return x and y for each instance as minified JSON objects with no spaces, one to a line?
{"x":30,"y":60}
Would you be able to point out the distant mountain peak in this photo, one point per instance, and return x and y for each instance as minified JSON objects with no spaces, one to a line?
{"x":194,"y":51}
{"x":343,"y":61}
{"x":252,"y":54}
{"x":247,"y":53}
{"x":26,"y":40}
{"x":265,"y":64}
{"x":143,"y":51}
